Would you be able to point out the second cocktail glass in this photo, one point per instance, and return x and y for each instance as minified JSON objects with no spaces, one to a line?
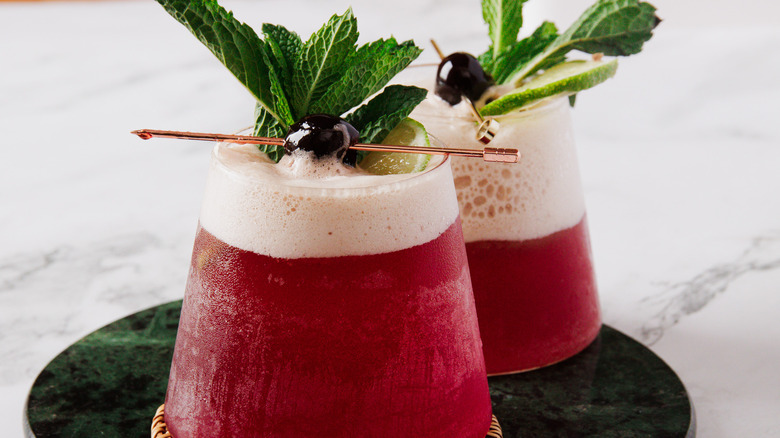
{"x":336,"y":307}
{"x":526,"y":234}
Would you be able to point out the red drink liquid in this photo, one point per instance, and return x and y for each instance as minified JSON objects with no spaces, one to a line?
{"x":550,"y":282}
{"x":381,"y":344}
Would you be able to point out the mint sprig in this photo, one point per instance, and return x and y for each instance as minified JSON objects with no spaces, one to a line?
{"x":504,"y":19}
{"x":290,"y":78}
{"x":611,"y":27}
{"x":231,"y":42}
{"x":519,"y":53}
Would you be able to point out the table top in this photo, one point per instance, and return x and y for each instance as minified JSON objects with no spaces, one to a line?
{"x":679,"y":156}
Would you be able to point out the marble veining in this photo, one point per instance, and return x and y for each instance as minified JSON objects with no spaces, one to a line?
{"x":684,"y":298}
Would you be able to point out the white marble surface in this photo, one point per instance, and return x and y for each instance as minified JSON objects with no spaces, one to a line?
{"x":680,"y":156}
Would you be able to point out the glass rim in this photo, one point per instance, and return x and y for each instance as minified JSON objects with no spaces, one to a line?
{"x":331,"y":188}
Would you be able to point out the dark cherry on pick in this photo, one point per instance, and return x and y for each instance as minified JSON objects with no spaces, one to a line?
{"x":459,"y":75}
{"x":324,"y":135}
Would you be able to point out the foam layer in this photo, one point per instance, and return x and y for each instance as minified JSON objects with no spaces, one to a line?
{"x":536,"y":197}
{"x":255,"y":205}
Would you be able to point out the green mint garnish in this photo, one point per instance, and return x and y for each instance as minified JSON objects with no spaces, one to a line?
{"x":322,"y":59}
{"x":231,"y":42}
{"x":369,"y":69}
{"x":379,"y":116}
{"x":611,"y":27}
{"x":504,"y":19}
{"x":285,"y":47}
{"x":512,"y":59}
{"x":291,"y":78}
{"x":267,"y":126}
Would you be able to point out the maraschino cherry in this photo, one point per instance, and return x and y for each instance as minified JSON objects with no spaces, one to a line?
{"x":460,"y":75}
{"x":323,"y":135}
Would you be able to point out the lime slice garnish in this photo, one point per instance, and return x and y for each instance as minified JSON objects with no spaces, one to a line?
{"x":565,"y":78}
{"x":408,"y":133}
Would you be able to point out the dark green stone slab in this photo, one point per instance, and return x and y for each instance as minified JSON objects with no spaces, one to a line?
{"x":614,"y":388}
{"x":111,"y":382}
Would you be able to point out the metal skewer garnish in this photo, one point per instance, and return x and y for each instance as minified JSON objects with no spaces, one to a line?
{"x":488,"y":128}
{"x":497,"y":155}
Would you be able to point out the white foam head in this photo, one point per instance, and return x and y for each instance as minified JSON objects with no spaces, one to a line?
{"x":258,"y":206}
{"x":538,"y":196}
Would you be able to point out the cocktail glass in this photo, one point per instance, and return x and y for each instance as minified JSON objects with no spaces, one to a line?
{"x":526,"y":233}
{"x":329,"y":308}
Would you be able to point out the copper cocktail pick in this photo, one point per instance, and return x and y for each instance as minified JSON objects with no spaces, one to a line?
{"x":496,"y":155}
{"x":488,"y":128}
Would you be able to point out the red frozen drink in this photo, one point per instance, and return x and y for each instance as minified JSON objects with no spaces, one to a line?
{"x":338,"y":306}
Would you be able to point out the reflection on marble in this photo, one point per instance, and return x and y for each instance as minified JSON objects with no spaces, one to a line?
{"x":679,"y":156}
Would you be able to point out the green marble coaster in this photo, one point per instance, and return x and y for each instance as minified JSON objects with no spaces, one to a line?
{"x":615,"y":388}
{"x":111,"y":382}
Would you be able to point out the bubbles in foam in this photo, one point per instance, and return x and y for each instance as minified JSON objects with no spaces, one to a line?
{"x":540,"y":195}
{"x":304,"y":164}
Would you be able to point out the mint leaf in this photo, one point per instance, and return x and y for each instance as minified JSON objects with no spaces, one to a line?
{"x":385,"y":111}
{"x":611,"y":27}
{"x":267,"y":126}
{"x":283,"y":113}
{"x":518,"y":54}
{"x":370,"y":68}
{"x":322,"y":60}
{"x":234,"y":43}
{"x":504,"y":19}
{"x":285,"y":46}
